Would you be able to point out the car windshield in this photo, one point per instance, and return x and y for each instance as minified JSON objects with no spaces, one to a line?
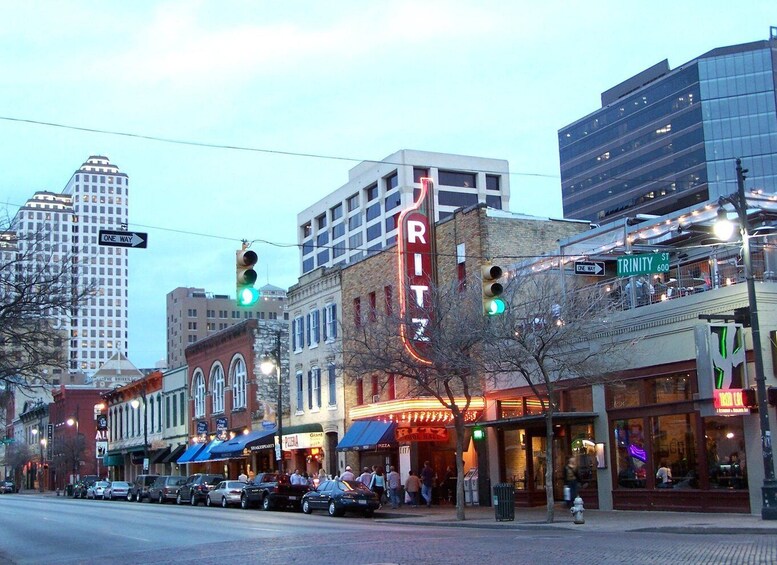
{"x":177,"y":480}
{"x":352,"y":486}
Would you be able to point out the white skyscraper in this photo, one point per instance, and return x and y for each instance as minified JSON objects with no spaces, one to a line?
{"x":95,"y":197}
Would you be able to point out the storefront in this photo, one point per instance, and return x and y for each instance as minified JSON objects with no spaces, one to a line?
{"x":235,"y":455}
{"x":303,"y":448}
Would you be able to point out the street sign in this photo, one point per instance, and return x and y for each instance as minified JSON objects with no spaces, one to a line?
{"x":643,"y":264}
{"x":8,"y":440}
{"x":123,"y":238}
{"x":594,"y":268}
{"x":277,"y":452}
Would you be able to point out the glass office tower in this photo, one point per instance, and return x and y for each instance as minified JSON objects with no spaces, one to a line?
{"x":667,"y":139}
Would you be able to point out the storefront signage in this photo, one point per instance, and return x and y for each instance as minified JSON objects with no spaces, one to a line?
{"x":202,"y":432}
{"x":416,"y":272}
{"x":406,"y":435}
{"x":721,"y":368}
{"x":643,"y":264}
{"x":260,"y":447}
{"x":222,"y":425}
{"x":303,"y":441}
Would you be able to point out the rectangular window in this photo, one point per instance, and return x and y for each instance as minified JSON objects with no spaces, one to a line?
{"x":392,"y":201}
{"x":373,"y":307}
{"x":494,"y":202}
{"x":307,"y":265}
{"x":338,"y":250}
{"x":322,"y":258}
{"x":306,"y":230}
{"x":338,"y":230}
{"x":374,"y":387}
{"x":355,"y":241}
{"x":310,"y":390}
{"x":330,"y":322}
{"x":374,"y":231}
{"x":300,"y":400}
{"x":392,"y":181}
{"x":313,"y":328}
{"x":167,"y":411}
{"x":359,"y":392}
{"x":316,"y":393}
{"x":371,"y":192}
{"x":389,"y":300}
{"x":357,"y":312}
{"x":332,"y":382}
{"x":298,"y":328}
{"x":419,"y":173}
{"x":492,"y":182}
{"x":391,"y":222}
{"x":457,"y":178}
{"x":307,"y":247}
{"x":336,"y":212}
{"x":392,"y":386}
{"x":354,"y":222}
{"x":373,"y":211}
{"x":321,"y":221}
{"x":322,"y":239}
{"x":353,"y":202}
{"x":458,"y":199}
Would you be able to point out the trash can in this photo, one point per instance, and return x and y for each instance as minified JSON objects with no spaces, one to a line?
{"x":68,"y":490}
{"x":504,"y":502}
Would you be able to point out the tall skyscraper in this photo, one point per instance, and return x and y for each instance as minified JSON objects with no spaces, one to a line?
{"x":666,"y":139}
{"x":360,"y":217}
{"x":65,"y":227}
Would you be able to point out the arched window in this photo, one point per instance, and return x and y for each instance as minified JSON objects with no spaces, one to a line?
{"x":198,"y":393}
{"x":217,"y":388}
{"x":238,"y":379}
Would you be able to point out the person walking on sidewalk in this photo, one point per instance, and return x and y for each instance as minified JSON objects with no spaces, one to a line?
{"x":366,"y":477}
{"x":378,"y":484}
{"x":394,"y":487}
{"x":413,"y":486}
{"x":427,"y":482}
{"x":571,"y":481}
{"x":347,"y":474}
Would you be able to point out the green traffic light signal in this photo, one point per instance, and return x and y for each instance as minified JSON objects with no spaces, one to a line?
{"x":496,"y":306}
{"x":248,"y":296}
{"x":478,"y":434}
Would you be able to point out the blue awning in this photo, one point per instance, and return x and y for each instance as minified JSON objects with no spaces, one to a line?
{"x":189,"y":455}
{"x":368,"y":434}
{"x":204,"y":454}
{"x":235,"y":446}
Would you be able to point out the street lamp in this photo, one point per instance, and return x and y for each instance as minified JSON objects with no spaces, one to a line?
{"x":739,"y":201}
{"x":76,"y":451}
{"x":270,"y":362}
{"x":136,"y":404}
{"x":38,"y":433}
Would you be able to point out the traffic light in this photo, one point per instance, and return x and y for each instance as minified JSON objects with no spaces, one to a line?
{"x":492,"y":289}
{"x":247,"y":295}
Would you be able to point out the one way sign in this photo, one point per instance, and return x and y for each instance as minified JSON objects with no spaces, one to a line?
{"x":123,"y":238}
{"x":593,"y":268}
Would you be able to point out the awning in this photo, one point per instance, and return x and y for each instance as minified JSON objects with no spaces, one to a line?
{"x":204,"y":454}
{"x":235,"y":446}
{"x":368,"y":434}
{"x":173,"y":456}
{"x":113,"y":460}
{"x":534,"y":420}
{"x":158,"y":455}
{"x":190,"y":453}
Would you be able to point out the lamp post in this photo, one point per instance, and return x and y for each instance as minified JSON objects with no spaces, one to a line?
{"x":269,"y":362}
{"x":76,"y":450}
{"x":739,"y":201}
{"x":38,"y":433}
{"x":136,"y":404}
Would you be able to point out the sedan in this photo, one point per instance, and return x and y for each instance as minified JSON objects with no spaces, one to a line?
{"x":97,"y":489}
{"x":7,"y":486}
{"x":225,"y":493}
{"x":337,"y":497}
{"x":116,"y":489}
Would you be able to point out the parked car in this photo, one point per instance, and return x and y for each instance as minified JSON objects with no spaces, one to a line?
{"x":97,"y":489}
{"x":139,"y":487}
{"x":116,"y":489}
{"x":165,"y":487}
{"x":271,"y":490}
{"x":225,"y":493}
{"x":197,"y":487}
{"x":337,"y":497}
{"x":7,"y":486}
{"x":80,"y":487}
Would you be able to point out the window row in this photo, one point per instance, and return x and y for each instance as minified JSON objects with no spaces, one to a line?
{"x":238,"y":381}
{"x":317,"y":325}
{"x":315,"y":388}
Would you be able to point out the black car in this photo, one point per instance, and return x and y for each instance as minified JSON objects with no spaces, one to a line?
{"x":165,"y":487}
{"x":338,"y":497}
{"x":197,"y":487}
{"x":7,"y":486}
{"x":82,"y":485}
{"x":139,"y":487}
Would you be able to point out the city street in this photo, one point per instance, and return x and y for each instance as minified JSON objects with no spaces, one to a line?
{"x":46,"y":529}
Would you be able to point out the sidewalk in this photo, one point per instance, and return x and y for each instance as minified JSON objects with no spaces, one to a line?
{"x":595,"y":520}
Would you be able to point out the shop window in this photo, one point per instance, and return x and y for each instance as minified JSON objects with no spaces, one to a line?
{"x":725,"y":442}
{"x":672,"y":388}
{"x":674,"y":446}
{"x":515,"y":458}
{"x":510,"y":408}
{"x":631,"y":455}
{"x":577,"y":400}
{"x":623,"y":394}
{"x":584,"y":451}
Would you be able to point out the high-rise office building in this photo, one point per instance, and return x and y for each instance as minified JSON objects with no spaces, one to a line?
{"x":64,"y":228}
{"x":360,"y":217}
{"x":666,"y":139}
{"x":193,"y":314}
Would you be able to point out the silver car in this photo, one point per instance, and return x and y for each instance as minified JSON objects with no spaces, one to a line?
{"x":97,"y":490}
{"x":225,"y":493}
{"x":116,"y":489}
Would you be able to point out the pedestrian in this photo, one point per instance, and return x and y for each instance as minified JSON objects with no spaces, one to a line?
{"x":378,"y":484}
{"x":571,"y":481}
{"x":297,"y":479}
{"x":366,"y":477}
{"x":394,"y":482}
{"x":413,"y":486}
{"x":348,"y":474}
{"x":243,"y":478}
{"x":427,"y":482}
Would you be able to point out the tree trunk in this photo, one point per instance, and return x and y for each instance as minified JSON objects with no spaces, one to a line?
{"x":459,"y":424}
{"x":549,"y":463}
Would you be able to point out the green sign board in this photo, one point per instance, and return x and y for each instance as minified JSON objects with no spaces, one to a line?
{"x":7,"y":440}
{"x":643,"y":264}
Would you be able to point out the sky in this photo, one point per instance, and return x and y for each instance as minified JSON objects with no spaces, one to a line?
{"x":300,"y":92}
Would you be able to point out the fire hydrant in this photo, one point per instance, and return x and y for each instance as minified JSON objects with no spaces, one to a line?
{"x":577,"y":511}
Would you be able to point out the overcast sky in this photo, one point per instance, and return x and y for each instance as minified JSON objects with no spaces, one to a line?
{"x":354,"y":80}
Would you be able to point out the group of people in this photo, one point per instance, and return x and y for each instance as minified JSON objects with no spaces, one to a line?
{"x":388,"y":486}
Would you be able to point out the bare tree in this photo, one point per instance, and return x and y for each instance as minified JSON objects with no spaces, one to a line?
{"x":448,"y":368}
{"x":41,"y":287}
{"x":16,"y":457}
{"x":555,"y":333}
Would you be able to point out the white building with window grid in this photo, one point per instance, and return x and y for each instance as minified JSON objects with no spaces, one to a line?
{"x":360,"y":217}
{"x":95,"y":197}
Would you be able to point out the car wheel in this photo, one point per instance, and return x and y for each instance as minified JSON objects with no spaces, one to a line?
{"x":129,"y":497}
{"x":178,"y":499}
{"x":306,"y":507}
{"x":244,"y":502}
{"x":224,"y":502}
{"x":266,"y":503}
{"x":139,"y":497}
{"x":207,"y":501}
{"x":161,"y":499}
{"x":333,"y":509}
{"x":193,"y":501}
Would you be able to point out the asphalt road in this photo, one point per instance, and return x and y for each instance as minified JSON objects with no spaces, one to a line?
{"x":37,"y":529}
